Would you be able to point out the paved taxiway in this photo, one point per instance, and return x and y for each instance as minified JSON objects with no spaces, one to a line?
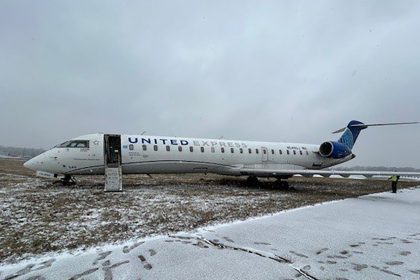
{"x":370,"y":237}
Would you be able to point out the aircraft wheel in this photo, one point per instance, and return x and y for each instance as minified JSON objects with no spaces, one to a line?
{"x":68,"y":181}
{"x":252,"y":180}
{"x":283,"y":184}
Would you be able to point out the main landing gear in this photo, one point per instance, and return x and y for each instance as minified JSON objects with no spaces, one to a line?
{"x":252,"y":181}
{"x":68,"y":181}
{"x":282,"y":184}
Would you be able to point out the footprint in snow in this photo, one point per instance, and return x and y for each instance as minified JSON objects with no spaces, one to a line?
{"x":146,"y":265}
{"x":262,"y":243}
{"x":127,"y":249}
{"x":228,"y":239}
{"x":87,"y":272}
{"x":152,"y":252}
{"x":322,"y":250}
{"x":101,"y":256}
{"x":359,"y":267}
{"x":108,"y":269}
{"x":394,"y":263}
{"x":299,"y":254}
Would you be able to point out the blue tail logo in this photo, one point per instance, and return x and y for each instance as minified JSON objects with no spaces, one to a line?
{"x":351,"y":133}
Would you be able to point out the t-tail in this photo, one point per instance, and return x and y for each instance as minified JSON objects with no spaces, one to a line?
{"x":343,"y":147}
{"x":351,"y":132}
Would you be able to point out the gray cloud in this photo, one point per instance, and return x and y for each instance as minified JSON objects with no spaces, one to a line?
{"x":271,"y":71}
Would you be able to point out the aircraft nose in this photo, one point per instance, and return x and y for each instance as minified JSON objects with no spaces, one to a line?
{"x":36,"y":163}
{"x":30,"y":164}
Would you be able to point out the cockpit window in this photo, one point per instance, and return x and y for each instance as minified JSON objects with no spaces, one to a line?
{"x":74,"y":144}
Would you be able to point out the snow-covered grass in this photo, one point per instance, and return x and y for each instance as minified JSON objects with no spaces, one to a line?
{"x":369,"y":237}
{"x":37,"y":216}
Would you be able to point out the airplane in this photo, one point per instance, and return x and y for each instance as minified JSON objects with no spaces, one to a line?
{"x":140,"y":154}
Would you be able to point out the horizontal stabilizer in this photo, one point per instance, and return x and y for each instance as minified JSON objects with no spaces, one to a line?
{"x":374,"y":124}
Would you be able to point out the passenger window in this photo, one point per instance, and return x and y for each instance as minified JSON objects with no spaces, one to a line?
{"x":155,"y":147}
{"x":232,"y":150}
{"x":144,"y":148}
{"x":131,"y":147}
{"x":294,"y":152}
{"x":222,"y":150}
{"x":257,"y":151}
{"x":272,"y":151}
{"x":241,"y":150}
{"x":288,"y":152}
{"x":191,"y":149}
{"x":213,"y":149}
{"x":281,"y":152}
{"x":250,"y":150}
{"x":180,"y":148}
{"x":202,"y":149}
{"x":301,"y":153}
{"x":168,"y":148}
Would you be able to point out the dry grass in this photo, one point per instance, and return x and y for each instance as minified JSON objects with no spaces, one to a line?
{"x":14,"y":166}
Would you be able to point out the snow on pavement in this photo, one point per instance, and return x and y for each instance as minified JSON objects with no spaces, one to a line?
{"x":370,"y":237}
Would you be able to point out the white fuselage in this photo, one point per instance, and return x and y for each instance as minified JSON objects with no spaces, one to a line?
{"x":142,"y":154}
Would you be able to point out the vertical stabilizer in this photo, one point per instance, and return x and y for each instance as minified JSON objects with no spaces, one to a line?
{"x":351,"y":133}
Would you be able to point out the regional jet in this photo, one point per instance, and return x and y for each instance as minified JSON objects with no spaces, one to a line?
{"x":141,"y":154}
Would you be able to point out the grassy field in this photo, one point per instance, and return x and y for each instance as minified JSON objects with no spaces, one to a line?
{"x":37,"y":216}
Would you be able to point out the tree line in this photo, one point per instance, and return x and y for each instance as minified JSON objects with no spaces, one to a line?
{"x":20,"y":152}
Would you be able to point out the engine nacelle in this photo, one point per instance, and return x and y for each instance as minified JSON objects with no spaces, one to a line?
{"x":334,"y":150}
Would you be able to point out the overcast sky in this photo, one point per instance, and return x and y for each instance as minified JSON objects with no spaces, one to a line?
{"x":254,"y":70}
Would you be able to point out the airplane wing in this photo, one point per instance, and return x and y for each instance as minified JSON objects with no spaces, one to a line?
{"x":323,"y":173}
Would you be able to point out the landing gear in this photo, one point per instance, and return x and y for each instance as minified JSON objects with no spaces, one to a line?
{"x":282,"y":184}
{"x":252,"y":181}
{"x":68,"y":181}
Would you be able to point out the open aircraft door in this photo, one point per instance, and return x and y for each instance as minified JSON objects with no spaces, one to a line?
{"x":112,"y":158}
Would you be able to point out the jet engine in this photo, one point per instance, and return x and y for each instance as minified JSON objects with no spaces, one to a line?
{"x":334,"y":150}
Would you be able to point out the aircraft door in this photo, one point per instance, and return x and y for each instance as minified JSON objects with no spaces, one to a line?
{"x":112,"y":150}
{"x":112,"y":158}
{"x":264,"y":154}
